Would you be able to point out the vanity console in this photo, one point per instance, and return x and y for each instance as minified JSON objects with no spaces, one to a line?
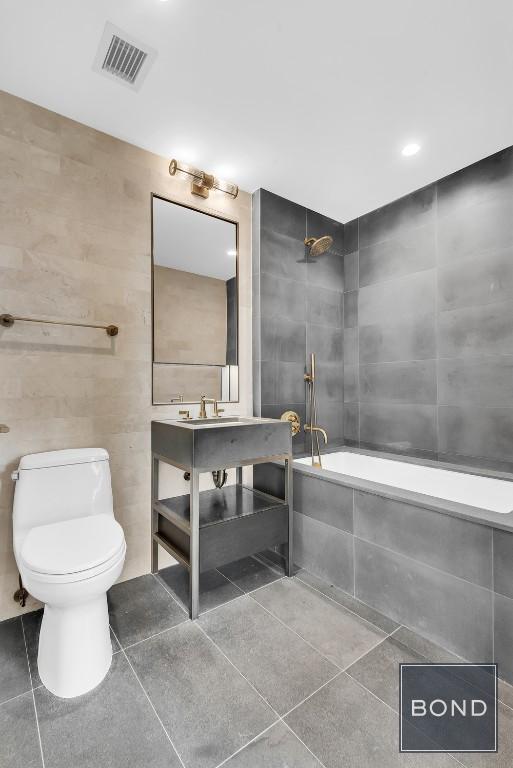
{"x":208,"y":529}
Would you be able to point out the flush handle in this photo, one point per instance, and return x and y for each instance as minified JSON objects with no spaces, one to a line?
{"x":4,"y":428}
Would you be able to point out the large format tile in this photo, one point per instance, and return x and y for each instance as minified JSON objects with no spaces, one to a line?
{"x":483,"y":279}
{"x":483,"y":380}
{"x":401,"y":427}
{"x":476,"y":431}
{"x":141,"y":607}
{"x":351,"y":423}
{"x":395,"y":300}
{"x":351,"y":271}
{"x":351,"y":309}
{"x":280,"y":297}
{"x":347,"y":727}
{"x":351,"y":236}
{"x":504,"y":756}
{"x":410,"y":251}
{"x":476,"y":230}
{"x":326,"y":343}
{"x":247,"y":633}
{"x":207,"y":707}
{"x":284,"y":340}
{"x":378,"y":670}
{"x":411,"y":339}
{"x":250,"y":573}
{"x":214,"y":588}
{"x":480,"y":330}
{"x":318,"y":225}
{"x":451,"y":612}
{"x":340,"y":635}
{"x":406,"y":213}
{"x":503,"y":636}
{"x":19,"y":740}
{"x":282,"y":215}
{"x":327,"y":502}
{"x":325,"y":306}
{"x":487,"y":179}
{"x":442,"y":541}
{"x":113,"y":725}
{"x":324,"y":550}
{"x":503,"y":562}
{"x":348,"y":601}
{"x":407,"y":382}
{"x":276,"y":748}
{"x":14,"y":671}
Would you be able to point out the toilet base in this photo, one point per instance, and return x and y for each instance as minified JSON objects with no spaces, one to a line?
{"x":75,"y":650}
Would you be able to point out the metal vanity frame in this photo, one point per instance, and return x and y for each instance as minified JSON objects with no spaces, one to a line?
{"x":238,"y":521}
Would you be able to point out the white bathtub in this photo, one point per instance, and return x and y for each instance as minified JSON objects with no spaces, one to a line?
{"x":473,"y":490}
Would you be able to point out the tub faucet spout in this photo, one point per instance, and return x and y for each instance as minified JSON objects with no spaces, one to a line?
{"x":315,"y":428}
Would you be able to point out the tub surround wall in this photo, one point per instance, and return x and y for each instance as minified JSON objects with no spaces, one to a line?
{"x":428,"y":321}
{"x":447,"y":578}
{"x":297,"y":309}
{"x":75,"y":244}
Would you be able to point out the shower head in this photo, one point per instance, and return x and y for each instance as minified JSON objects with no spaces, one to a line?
{"x":318,"y":245}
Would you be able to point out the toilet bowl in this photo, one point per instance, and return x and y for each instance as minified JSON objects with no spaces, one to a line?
{"x":70,"y":550}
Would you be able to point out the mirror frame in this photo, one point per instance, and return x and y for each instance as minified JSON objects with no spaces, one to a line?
{"x":237,"y":274}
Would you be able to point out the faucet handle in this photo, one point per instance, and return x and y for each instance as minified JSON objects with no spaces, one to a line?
{"x":220,"y":410}
{"x":185,"y":414}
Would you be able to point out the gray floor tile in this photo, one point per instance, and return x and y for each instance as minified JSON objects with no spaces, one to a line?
{"x":349,"y":602}
{"x":215,"y":589}
{"x":14,"y":672}
{"x":32,"y":626}
{"x":282,"y":667}
{"x":249,"y":573}
{"x":19,"y":742}
{"x":504,"y":757}
{"x":347,"y":727}
{"x":141,"y":607}
{"x":113,"y":725}
{"x":338,"y":634}
{"x":426,"y":648}
{"x":276,"y":748}
{"x":210,"y":711}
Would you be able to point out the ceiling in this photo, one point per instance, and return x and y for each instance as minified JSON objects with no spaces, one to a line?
{"x":192,"y":241}
{"x":312,"y":100}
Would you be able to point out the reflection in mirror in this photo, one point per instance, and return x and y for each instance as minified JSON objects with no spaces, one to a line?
{"x":195,"y":305}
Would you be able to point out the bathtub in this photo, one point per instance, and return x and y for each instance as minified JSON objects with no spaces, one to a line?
{"x":425,"y":544}
{"x":483,"y":492}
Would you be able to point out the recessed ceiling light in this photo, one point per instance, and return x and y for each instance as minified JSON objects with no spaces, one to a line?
{"x":410,"y":149}
{"x":231,"y":253}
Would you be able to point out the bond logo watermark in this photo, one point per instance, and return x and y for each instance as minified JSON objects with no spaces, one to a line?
{"x":448,"y":707}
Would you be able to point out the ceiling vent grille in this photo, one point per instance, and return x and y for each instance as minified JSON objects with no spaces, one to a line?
{"x":122,"y":57}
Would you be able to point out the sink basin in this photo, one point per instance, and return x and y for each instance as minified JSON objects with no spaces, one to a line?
{"x":217,"y":420}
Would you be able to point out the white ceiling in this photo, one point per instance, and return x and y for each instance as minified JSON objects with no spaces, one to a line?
{"x":312,"y":99}
{"x":193,"y":242}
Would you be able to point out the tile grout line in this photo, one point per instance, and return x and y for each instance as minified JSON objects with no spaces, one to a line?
{"x":303,"y":743}
{"x":238,"y":751}
{"x":364,"y":688}
{"x":33,"y":695}
{"x":332,"y":599}
{"x":149,"y":700}
{"x":18,"y":696}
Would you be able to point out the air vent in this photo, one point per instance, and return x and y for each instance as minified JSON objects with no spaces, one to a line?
{"x":122,"y":57}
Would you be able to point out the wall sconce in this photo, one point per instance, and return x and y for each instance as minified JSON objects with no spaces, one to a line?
{"x":202,"y":182}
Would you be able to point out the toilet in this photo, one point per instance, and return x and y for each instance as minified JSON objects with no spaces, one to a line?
{"x":69,"y":550}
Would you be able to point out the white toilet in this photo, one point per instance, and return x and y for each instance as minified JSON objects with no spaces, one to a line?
{"x":70,"y":550}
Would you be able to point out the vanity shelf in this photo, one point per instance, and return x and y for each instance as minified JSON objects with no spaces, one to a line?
{"x":208,"y":529}
{"x":232,"y":522}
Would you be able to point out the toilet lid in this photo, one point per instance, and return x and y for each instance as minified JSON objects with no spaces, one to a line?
{"x":72,"y":546}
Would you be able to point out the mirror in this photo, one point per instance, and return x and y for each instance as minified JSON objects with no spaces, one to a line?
{"x":195,"y":305}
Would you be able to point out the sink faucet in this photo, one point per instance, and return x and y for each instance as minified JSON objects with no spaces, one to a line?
{"x":314,"y":428}
{"x":203,"y":410}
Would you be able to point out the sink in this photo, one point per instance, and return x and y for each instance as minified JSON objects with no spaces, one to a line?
{"x":216,"y":420}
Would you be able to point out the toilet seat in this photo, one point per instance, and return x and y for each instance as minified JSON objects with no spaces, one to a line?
{"x":73,"y":550}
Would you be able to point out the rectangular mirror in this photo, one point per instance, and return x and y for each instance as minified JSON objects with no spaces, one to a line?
{"x":195,"y":305}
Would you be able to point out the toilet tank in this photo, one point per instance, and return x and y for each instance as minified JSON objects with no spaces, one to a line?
{"x":60,"y":485}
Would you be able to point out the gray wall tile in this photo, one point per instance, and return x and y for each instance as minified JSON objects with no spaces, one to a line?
{"x":282,"y":215}
{"x":408,"y":212}
{"x":351,"y":346}
{"x":485,"y":329}
{"x":282,"y":298}
{"x":395,"y":300}
{"x":318,"y":225}
{"x":267,"y":376}
{"x":455,"y":546}
{"x":290,"y":384}
{"x":483,"y":380}
{"x":330,"y":382}
{"x":350,"y":309}
{"x":410,"y":251}
{"x":483,"y":279}
{"x":411,"y":339}
{"x":503,"y":636}
{"x":407,"y":382}
{"x":351,"y":236}
{"x":327,"y":343}
{"x":351,"y":383}
{"x":283,"y":340}
{"x":325,"y":551}
{"x":475,"y":230}
{"x":351,"y":272}
{"x":282,"y":255}
{"x":503,"y":562}
{"x":327,"y":502}
{"x":449,"y":611}
{"x":402,"y":427}
{"x":327,"y":271}
{"x":489,"y":178}
{"x":325,"y":307}
{"x":351,"y":423}
{"x":476,"y":431}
